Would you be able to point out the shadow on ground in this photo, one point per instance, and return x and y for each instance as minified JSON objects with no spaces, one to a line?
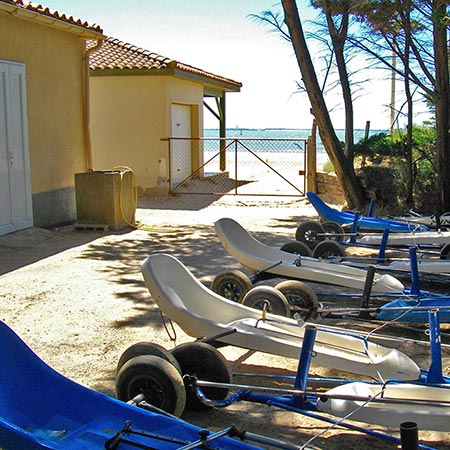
{"x":178,"y":202}
{"x":197,"y":246}
{"x":28,"y":246}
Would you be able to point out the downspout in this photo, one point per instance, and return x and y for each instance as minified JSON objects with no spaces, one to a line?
{"x":87,"y":106}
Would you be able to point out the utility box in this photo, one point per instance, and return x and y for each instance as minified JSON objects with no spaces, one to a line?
{"x":105,"y":199}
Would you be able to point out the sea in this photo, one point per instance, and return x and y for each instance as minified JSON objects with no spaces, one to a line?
{"x":282,"y":133}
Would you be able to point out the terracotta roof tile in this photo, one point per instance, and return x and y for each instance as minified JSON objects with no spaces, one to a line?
{"x":195,"y":70}
{"x":115,"y":54}
{"x":44,"y":11}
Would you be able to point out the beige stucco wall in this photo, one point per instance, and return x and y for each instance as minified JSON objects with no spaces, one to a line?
{"x":53,"y":65}
{"x":54,"y":78}
{"x":129,"y":117}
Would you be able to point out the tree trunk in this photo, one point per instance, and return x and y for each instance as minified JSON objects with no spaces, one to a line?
{"x":338,"y":37}
{"x":442,"y":101}
{"x":409,"y":100}
{"x":344,"y":168}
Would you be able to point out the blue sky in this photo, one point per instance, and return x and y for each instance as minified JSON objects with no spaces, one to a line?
{"x":219,"y":37}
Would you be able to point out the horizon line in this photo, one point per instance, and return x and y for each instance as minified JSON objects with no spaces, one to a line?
{"x":293,"y":129}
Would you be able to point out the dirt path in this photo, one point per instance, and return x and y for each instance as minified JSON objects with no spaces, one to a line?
{"x":78,"y":300}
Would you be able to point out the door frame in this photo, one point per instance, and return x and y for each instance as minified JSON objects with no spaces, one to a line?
{"x":180,"y":142}
{"x":17,"y":157}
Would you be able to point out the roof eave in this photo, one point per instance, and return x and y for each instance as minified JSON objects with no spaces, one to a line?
{"x":211,"y":86}
{"x":49,"y":21}
{"x":208,"y":82}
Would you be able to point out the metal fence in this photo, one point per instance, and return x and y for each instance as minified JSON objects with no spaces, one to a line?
{"x":237,"y":166}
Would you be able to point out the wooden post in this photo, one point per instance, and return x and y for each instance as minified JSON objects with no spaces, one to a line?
{"x":222,"y":133}
{"x":367,"y":130}
{"x":311,"y":160}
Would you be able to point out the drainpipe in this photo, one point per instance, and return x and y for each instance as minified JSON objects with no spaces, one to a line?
{"x":87,"y":106}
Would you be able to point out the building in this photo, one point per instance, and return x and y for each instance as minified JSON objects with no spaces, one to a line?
{"x":139,"y":99}
{"x":43,"y":137}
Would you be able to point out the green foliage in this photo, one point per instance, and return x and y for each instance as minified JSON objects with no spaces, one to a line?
{"x":382,"y":146}
{"x":425,"y":188}
{"x":390,"y":152}
{"x":328,"y":167}
{"x":377,"y":147}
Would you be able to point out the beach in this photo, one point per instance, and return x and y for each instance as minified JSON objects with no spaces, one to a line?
{"x":78,"y":300}
{"x":260,"y":173}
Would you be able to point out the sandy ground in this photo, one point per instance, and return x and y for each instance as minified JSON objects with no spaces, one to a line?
{"x":78,"y":299}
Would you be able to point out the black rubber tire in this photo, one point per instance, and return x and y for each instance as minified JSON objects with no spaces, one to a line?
{"x":277,"y":302}
{"x":205,"y":363}
{"x":147,"y":348}
{"x":328,"y":249}
{"x":300,"y":296}
{"x":159,"y":381}
{"x":310,"y":232}
{"x":333,"y":228}
{"x":296,"y":248}
{"x":232,"y":285}
{"x":445,"y":252}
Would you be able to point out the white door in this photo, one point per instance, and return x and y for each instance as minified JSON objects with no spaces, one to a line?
{"x":15,"y":186}
{"x":181,"y":154}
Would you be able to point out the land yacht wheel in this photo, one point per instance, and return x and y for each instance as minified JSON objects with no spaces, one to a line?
{"x":297,"y":248}
{"x":147,"y":348}
{"x":328,"y":249}
{"x":272,"y":299}
{"x":205,"y":363}
{"x":445,"y":252}
{"x":310,"y":232}
{"x":155,"y":378}
{"x":333,"y":228}
{"x":301,"y":298}
{"x":232,"y":285}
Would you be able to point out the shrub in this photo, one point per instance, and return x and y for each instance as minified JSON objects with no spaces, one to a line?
{"x":391,"y":151}
{"x":328,"y":167}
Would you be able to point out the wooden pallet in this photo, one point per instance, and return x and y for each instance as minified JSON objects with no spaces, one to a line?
{"x":91,"y":226}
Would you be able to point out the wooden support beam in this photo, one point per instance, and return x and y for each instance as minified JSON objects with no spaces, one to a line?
{"x":222,"y":132}
{"x":217,"y":116}
{"x":220,"y":116}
